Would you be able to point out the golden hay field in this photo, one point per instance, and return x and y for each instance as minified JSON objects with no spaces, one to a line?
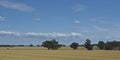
{"x":38,"y":53}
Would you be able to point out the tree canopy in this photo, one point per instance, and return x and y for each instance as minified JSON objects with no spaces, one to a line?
{"x":101,"y":45}
{"x":51,"y":44}
{"x":88,"y":44}
{"x":74,"y":45}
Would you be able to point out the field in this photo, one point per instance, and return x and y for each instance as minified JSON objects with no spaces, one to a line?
{"x":38,"y":53}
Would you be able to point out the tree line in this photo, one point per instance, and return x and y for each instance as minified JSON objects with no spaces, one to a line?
{"x":110,"y":45}
{"x":53,"y":45}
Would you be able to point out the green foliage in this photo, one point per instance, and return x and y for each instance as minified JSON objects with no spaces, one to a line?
{"x":112,"y":45}
{"x":101,"y":45}
{"x":38,"y":45}
{"x":74,"y":45}
{"x":52,"y":44}
{"x":31,"y":45}
{"x":88,"y":44}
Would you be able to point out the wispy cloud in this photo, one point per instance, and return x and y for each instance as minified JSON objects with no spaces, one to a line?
{"x":97,"y":19}
{"x":37,"y":19}
{"x":2,"y":18}
{"x":100,"y":28}
{"x":76,"y":21}
{"x":101,"y":33}
{"x":18,"y":6}
{"x":45,"y":35}
{"x":36,"y":38}
{"x":78,"y":8}
{"x":9,"y":33}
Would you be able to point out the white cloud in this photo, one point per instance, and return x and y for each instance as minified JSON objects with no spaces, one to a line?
{"x":18,"y":6}
{"x":54,"y":34}
{"x":2,"y":18}
{"x":78,"y":8}
{"x":73,"y":36}
{"x":77,"y":21}
{"x":9,"y":33}
{"x":46,"y":35}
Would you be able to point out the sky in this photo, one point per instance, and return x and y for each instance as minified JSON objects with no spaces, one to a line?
{"x":67,"y":21}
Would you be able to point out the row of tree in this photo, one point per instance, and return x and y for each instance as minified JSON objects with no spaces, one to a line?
{"x":112,"y":45}
{"x":53,"y":45}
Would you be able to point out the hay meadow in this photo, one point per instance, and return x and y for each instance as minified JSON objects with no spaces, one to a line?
{"x":64,"y":53}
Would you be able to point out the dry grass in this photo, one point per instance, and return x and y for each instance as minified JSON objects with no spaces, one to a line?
{"x":35,"y":53}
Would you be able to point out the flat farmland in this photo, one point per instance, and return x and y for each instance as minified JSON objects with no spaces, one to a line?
{"x":38,"y":53}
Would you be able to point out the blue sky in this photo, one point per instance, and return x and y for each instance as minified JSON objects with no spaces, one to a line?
{"x":34,"y":21}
